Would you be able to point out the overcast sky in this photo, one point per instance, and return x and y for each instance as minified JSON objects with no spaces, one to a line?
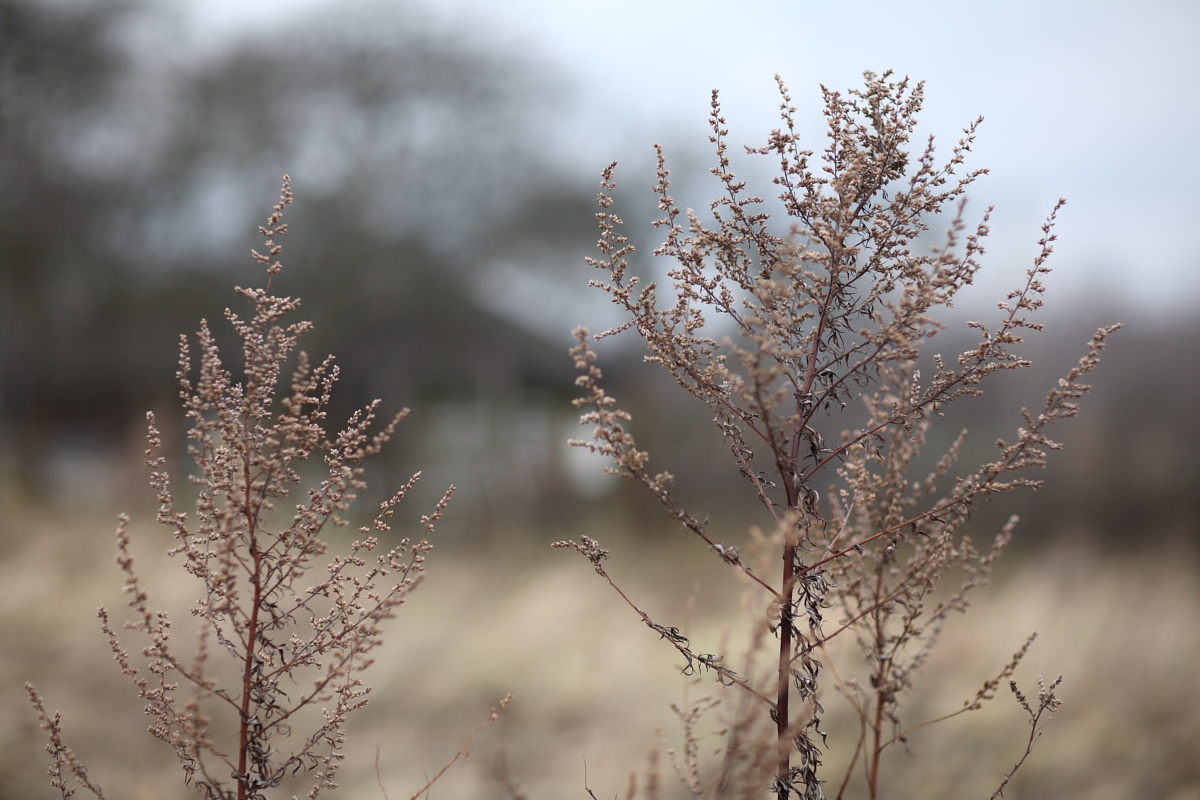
{"x":1093,"y":101}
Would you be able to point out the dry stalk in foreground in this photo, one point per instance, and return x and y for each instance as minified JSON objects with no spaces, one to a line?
{"x":294,"y":628}
{"x":807,"y":344}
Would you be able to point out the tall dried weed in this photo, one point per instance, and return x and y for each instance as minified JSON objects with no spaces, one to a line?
{"x":285,"y":631}
{"x":808,"y":344}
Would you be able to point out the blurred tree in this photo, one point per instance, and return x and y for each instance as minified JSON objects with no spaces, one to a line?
{"x":132,"y":169}
{"x":58,"y":69}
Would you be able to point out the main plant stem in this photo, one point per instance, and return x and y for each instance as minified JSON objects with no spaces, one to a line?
{"x":251,"y":632}
{"x":786,"y":626}
{"x":787,"y":629}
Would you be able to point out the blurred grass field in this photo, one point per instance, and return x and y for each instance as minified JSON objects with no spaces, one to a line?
{"x":592,"y":684}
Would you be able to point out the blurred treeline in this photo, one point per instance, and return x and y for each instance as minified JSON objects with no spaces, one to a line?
{"x":437,"y":241}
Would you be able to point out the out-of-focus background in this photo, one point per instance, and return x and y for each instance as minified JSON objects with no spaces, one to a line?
{"x":445,"y":157}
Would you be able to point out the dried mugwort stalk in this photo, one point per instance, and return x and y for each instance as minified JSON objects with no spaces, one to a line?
{"x":295,"y":627}
{"x":806,"y":344}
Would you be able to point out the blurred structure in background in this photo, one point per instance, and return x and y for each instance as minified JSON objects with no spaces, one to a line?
{"x":431,"y":233}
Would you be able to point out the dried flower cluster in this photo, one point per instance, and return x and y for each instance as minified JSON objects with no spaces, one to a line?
{"x":296,"y":630}
{"x":778,"y":332}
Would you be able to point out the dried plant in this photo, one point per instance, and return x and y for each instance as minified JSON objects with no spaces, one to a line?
{"x":284,"y":635}
{"x":785,"y":334}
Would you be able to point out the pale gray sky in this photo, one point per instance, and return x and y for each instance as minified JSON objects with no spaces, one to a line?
{"x":1094,"y":101}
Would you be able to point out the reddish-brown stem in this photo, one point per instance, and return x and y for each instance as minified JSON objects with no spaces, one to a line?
{"x":787,"y":586}
{"x":251,"y":627}
{"x":782,"y":726}
{"x":873,"y":773}
{"x":881,"y":687}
